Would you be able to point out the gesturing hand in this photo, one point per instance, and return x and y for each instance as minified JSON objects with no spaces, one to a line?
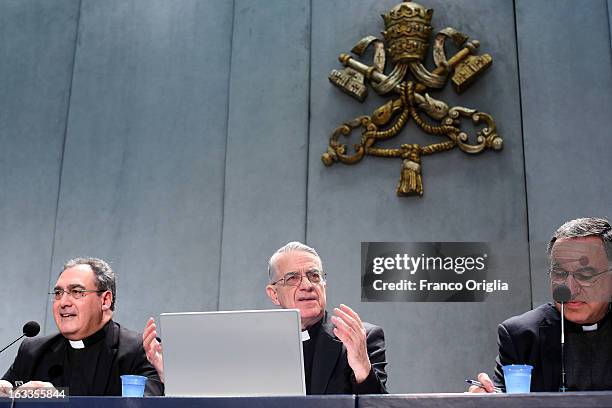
{"x":349,"y":329}
{"x":153,"y":348}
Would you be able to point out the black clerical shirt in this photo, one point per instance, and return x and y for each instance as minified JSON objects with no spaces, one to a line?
{"x":81,"y":364}
{"x":588,"y":356}
{"x":308,"y":348}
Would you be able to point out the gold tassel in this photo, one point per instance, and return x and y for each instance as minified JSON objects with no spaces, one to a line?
{"x":411,"y":181}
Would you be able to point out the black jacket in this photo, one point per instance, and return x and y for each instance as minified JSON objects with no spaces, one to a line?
{"x":331,"y":373}
{"x":42,"y":359}
{"x":532,"y":338}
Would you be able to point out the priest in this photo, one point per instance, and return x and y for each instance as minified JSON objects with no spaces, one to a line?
{"x":91,"y":351}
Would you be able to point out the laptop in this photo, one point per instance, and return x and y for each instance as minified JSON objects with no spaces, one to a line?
{"x":233,"y":353}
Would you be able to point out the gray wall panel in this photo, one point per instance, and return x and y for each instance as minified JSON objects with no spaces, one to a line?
{"x":265,"y":184}
{"x":36,"y":55}
{"x":161,"y":88}
{"x":479,"y":198}
{"x":143,"y":168}
{"x":566,"y":84}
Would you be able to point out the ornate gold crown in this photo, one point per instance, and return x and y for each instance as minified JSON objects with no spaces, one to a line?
{"x":407,"y":31}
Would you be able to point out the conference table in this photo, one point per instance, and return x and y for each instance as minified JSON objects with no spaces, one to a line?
{"x":549,"y":400}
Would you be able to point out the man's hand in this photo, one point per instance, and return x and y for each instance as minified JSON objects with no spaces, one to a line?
{"x":486,"y":383}
{"x":349,"y":329}
{"x":37,"y":385}
{"x":5,"y":387}
{"x":153,"y":348}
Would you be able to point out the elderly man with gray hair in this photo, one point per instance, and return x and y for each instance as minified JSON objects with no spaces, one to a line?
{"x":580,"y":253}
{"x":342,"y":354}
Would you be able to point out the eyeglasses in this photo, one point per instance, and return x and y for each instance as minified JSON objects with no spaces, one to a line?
{"x":73,"y":293}
{"x":583,"y":277}
{"x":295,"y":279}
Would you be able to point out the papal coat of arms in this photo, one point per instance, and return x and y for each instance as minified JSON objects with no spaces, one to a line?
{"x":406,"y":40}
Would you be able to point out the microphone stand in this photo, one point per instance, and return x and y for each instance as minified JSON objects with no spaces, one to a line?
{"x":563,"y":386}
{"x":22,"y":336}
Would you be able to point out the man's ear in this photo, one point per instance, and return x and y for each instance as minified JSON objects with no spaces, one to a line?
{"x":107,"y":300}
{"x":271,"y":292}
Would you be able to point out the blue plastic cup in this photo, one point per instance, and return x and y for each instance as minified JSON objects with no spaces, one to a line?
{"x":133,"y":385}
{"x":517,"y":378}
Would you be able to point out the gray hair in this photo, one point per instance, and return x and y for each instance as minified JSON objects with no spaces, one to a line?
{"x":290,"y":246}
{"x":585,"y":227}
{"x":105,"y":277}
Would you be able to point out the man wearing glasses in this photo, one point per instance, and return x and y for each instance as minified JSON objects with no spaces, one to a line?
{"x":91,"y":351}
{"x":580,"y":254}
{"x":342,"y":354}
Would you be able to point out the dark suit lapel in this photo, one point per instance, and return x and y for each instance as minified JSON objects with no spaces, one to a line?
{"x":106,"y":360}
{"x":327,"y":352}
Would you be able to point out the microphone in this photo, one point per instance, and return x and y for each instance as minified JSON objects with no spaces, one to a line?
{"x":562,"y":294}
{"x":30,"y":329}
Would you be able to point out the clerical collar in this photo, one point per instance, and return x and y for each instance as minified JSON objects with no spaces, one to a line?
{"x":592,"y":327}
{"x":585,"y":328}
{"x":90,"y":340}
{"x":312,"y":331}
{"x":76,"y":344}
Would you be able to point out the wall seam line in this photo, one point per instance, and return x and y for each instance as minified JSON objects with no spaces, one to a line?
{"x":227,"y":128}
{"x":608,"y":15}
{"x":520,"y":94}
{"x":308,"y":124}
{"x":48,"y":305}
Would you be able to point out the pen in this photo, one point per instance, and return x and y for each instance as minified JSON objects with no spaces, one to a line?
{"x":479,"y":384}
